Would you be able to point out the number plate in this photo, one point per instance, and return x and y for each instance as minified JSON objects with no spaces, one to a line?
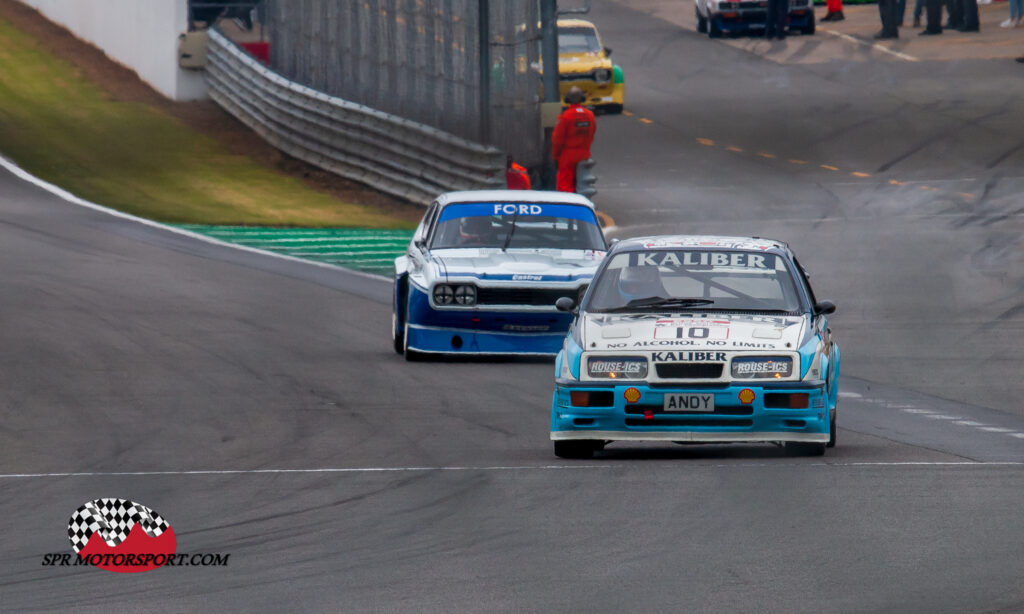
{"x":690,"y":402}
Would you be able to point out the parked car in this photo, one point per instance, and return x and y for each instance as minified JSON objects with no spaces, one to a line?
{"x":716,"y":17}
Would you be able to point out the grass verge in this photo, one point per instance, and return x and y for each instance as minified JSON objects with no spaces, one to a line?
{"x":135,"y":157}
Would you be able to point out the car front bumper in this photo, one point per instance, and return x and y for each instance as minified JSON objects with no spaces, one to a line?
{"x":484,"y":331}
{"x":598,"y":94}
{"x":732,"y":420}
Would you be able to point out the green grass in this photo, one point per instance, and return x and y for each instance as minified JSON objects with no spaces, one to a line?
{"x":137,"y":158}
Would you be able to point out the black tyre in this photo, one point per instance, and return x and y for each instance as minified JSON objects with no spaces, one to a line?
{"x":702,"y":22}
{"x":612,"y":109}
{"x":809,"y":28}
{"x":397,"y":335}
{"x":410,"y":355}
{"x":576,"y":448}
{"x":714,"y":30}
{"x":832,"y":432}
{"x":800,"y":448}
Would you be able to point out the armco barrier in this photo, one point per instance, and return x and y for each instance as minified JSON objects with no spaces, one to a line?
{"x":394,"y":155}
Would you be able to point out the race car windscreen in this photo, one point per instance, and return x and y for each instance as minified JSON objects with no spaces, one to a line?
{"x":695,"y":280}
{"x":578,"y":40}
{"x":517,"y":226}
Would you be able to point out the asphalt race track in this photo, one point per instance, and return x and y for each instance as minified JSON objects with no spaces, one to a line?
{"x":257,"y":405}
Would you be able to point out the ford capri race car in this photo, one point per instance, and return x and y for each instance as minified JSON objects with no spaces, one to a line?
{"x":697,"y":340}
{"x":484,"y":269}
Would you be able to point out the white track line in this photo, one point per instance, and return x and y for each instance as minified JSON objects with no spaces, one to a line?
{"x":102,"y":474}
{"x":882,"y":48}
{"x":21,"y":173}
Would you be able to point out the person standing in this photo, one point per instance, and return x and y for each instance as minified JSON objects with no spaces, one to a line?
{"x":1016,"y":14}
{"x":955,"y":8}
{"x":918,"y":10}
{"x":835,"y":10}
{"x":933,"y":13}
{"x":775,"y":26}
{"x":888,"y":11}
{"x":969,"y":16}
{"x":571,"y":141}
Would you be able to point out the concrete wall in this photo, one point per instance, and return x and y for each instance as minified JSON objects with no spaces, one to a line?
{"x":140,"y":34}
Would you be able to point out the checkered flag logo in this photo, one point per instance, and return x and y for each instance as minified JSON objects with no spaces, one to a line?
{"x":112,"y":520}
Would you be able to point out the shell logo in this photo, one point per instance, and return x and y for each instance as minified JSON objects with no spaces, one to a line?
{"x":747,"y":396}
{"x":632,"y":395}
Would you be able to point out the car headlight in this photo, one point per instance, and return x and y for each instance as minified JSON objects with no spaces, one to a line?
{"x":762,"y":367}
{"x":443,"y":294}
{"x":465,"y":295}
{"x":617,"y":367}
{"x":602,"y":75}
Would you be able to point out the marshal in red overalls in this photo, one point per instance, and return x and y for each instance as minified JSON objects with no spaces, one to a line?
{"x":570,"y":144}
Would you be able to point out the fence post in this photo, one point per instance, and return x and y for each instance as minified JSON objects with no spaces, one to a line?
{"x":484,"y":26}
{"x":549,"y":61}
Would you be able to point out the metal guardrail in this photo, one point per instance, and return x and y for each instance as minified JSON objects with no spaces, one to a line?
{"x":392,"y":154}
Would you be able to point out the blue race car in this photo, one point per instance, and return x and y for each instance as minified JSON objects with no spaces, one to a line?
{"x":697,"y":340}
{"x":485,"y":268}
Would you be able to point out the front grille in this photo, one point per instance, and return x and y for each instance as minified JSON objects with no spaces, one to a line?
{"x":537,"y":297}
{"x":577,"y":76}
{"x":752,"y":5}
{"x":689,"y":370}
{"x":663,"y":421}
{"x":725,"y":410}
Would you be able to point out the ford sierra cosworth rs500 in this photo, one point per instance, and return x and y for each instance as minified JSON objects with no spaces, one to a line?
{"x":697,"y":340}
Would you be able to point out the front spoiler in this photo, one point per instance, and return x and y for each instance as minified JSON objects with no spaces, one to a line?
{"x":690,"y":436}
{"x":437,"y":340}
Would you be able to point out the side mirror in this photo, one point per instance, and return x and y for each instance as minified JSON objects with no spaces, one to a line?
{"x":824,"y":308}
{"x":565,"y":303}
{"x":608,"y":51}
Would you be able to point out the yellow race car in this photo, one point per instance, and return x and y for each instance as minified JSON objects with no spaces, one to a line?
{"x":585,"y":62}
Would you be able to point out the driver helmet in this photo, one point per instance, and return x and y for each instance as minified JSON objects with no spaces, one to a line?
{"x":476,"y":229}
{"x":640,"y":282}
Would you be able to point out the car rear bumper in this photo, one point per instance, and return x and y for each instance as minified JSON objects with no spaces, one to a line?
{"x":756,"y":19}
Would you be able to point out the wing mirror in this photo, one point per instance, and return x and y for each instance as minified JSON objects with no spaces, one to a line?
{"x":608,"y":51}
{"x":565,"y":303}
{"x":824,"y":308}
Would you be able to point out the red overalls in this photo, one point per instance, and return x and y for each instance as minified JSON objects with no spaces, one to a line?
{"x":517,"y":177}
{"x":570,"y":144}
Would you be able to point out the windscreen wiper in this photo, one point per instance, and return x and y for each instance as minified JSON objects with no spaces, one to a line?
{"x":511,"y":232}
{"x":660,"y":301}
